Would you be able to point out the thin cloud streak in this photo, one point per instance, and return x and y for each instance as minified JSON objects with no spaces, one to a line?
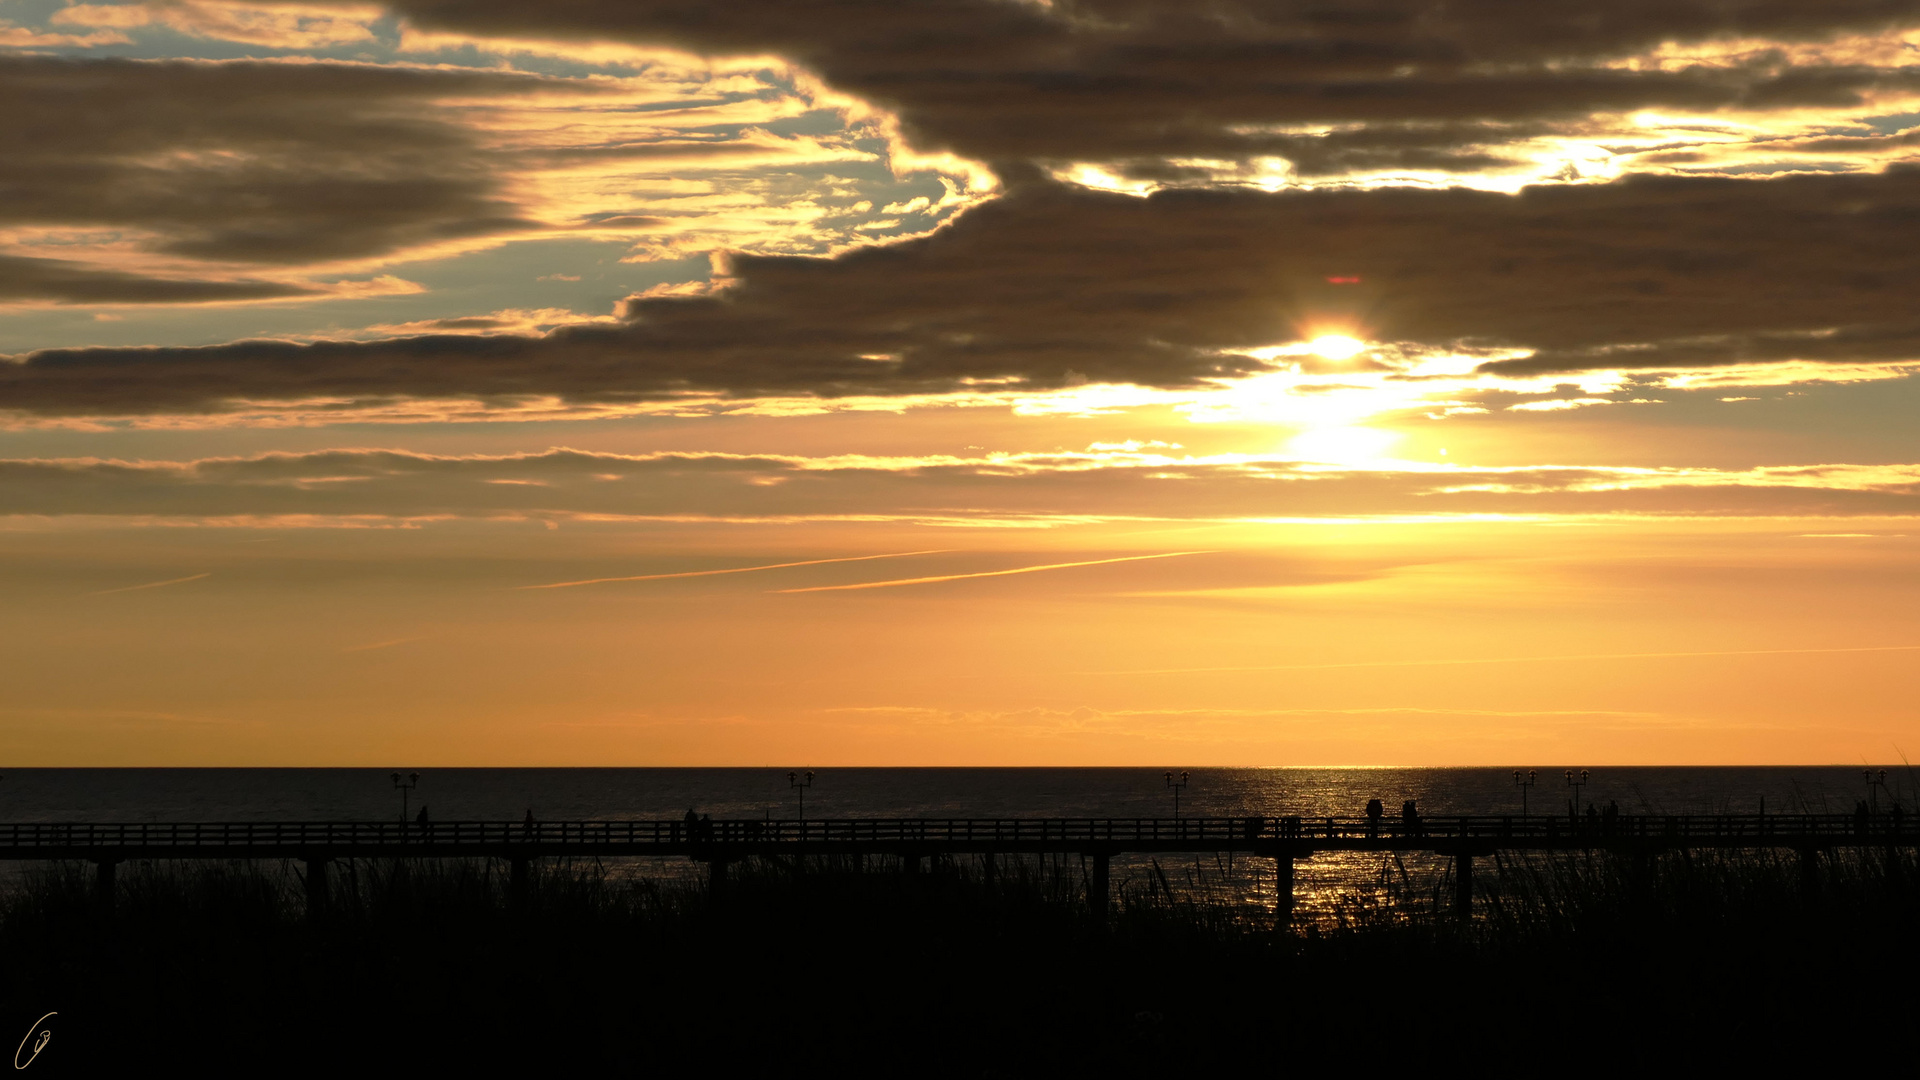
{"x":151,"y":585}
{"x":734,"y":570}
{"x":1508,"y":660}
{"x":986,"y":573}
{"x":382,"y":644}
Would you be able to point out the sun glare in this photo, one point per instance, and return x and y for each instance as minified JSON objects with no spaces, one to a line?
{"x":1342,"y":445}
{"x":1336,"y":346}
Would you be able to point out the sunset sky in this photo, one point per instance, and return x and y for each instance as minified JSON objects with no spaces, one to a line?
{"x":971,"y":382}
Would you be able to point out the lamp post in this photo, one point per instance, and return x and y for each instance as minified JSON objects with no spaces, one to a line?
{"x":1576,"y":785}
{"x":1177,"y":786}
{"x":1523,"y":785}
{"x":413,"y":781}
{"x":1875,"y":785}
{"x":801,"y":784}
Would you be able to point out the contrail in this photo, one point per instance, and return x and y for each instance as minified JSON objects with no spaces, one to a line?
{"x":735,"y":570}
{"x":987,"y":573}
{"x":151,"y":585}
{"x":381,"y":644}
{"x":1507,"y":660}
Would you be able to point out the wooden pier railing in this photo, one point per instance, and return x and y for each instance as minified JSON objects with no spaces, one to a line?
{"x":1284,"y":839}
{"x":725,"y":839}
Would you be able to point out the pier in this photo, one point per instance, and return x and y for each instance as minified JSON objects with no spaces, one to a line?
{"x":717,"y":843}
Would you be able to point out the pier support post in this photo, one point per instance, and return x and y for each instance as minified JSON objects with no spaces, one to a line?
{"x":1098,"y":896}
{"x":1463,"y":883}
{"x":316,"y":886}
{"x":103,"y":882}
{"x":1283,"y":888}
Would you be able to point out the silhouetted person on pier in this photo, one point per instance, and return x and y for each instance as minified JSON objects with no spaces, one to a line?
{"x":1860,"y":814}
{"x":1593,"y":817}
{"x":1610,"y":817}
{"x":1375,"y":811}
{"x":706,"y":827}
{"x":1898,"y":816}
{"x":529,"y":821}
{"x":1410,"y":818}
{"x":421,"y":817}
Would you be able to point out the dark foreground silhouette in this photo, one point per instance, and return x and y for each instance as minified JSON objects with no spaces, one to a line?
{"x":835,"y":969}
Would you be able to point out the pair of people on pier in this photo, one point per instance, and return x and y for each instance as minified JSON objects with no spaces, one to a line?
{"x":1409,"y":817}
{"x":699,"y":826}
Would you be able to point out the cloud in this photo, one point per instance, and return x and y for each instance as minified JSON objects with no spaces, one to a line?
{"x":248,"y":162}
{"x":506,"y":320}
{"x":1052,"y":286}
{"x":375,"y":486}
{"x":15,"y":37}
{"x":1423,"y":83}
{"x":279,"y":26}
{"x":64,"y":282}
{"x":1895,"y":340}
{"x":181,"y":169}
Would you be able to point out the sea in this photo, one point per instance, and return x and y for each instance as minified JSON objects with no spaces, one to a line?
{"x":1323,"y":883}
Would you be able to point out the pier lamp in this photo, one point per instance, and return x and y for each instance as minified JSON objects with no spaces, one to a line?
{"x":1177,"y":786}
{"x":413,"y":781}
{"x":1523,"y":785}
{"x":1875,"y":785}
{"x":1576,"y":785}
{"x":800,"y":784}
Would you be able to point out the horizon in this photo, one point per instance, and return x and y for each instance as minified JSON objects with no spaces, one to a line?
{"x":1884,"y":767}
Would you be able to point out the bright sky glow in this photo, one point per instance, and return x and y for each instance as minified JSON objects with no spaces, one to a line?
{"x":1343,"y":445}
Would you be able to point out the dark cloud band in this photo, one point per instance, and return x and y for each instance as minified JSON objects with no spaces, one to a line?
{"x":1113,"y":80}
{"x":1051,"y":286}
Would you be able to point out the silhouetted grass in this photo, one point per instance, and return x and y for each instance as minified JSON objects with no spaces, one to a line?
{"x":844,"y":966}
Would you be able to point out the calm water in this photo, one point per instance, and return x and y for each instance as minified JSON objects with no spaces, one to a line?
{"x":1322,"y":882}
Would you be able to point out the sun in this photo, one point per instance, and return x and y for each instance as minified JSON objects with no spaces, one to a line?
{"x":1336,"y":346}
